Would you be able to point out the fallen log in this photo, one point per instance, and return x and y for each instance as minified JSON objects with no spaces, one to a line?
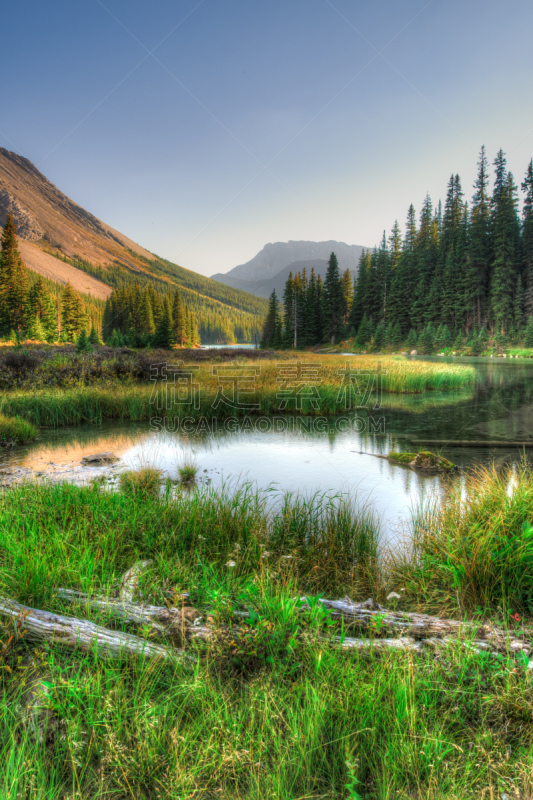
{"x":80,"y":634}
{"x":470,"y":443}
{"x":170,"y":622}
{"x":371,"y":616}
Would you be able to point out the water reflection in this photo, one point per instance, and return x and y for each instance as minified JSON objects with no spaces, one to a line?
{"x":305,"y":457}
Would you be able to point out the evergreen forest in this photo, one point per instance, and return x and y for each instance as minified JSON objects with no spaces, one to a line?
{"x":462,"y":274}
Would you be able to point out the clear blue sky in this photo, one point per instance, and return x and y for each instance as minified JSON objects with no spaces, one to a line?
{"x":256,"y":121}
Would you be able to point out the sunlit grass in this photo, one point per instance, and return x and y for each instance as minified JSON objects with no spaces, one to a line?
{"x":278,"y":711}
{"x":474,"y":548}
{"x":398,"y":378}
{"x":15,"y":430}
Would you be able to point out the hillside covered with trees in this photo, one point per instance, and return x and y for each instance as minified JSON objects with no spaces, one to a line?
{"x":462,"y":273}
{"x":35,"y":308}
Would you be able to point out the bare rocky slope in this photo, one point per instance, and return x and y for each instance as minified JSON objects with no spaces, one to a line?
{"x":51,"y":228}
{"x":49,"y":223}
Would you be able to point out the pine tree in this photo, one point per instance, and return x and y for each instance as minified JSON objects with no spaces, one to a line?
{"x":13,"y":282}
{"x":163,"y":338}
{"x":401,"y":293}
{"x":82,"y":345}
{"x":269,"y":328}
{"x":94,"y":339}
{"x":477,"y":278}
{"x":347,"y":294}
{"x":334,"y":305}
{"x":288,"y":312}
{"x":527,"y":238}
{"x":528,"y":339}
{"x":178,"y":318}
{"x":359,"y":295}
{"x":411,"y":339}
{"x":506,"y":264}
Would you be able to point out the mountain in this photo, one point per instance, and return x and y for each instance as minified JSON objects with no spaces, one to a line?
{"x":264,"y":288}
{"x":63,"y":242}
{"x":275,"y":257}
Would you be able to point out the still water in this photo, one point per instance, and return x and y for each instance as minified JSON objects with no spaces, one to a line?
{"x":296,"y":454}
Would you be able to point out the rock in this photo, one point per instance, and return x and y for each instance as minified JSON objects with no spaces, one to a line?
{"x":100,"y":458}
{"x":27,"y":226}
{"x":414,"y":352}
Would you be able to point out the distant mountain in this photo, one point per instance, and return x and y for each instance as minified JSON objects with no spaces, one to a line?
{"x":264,"y":288}
{"x":275,"y":257}
{"x":63,"y":242}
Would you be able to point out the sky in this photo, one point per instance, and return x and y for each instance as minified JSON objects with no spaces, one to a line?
{"x":203,"y":129}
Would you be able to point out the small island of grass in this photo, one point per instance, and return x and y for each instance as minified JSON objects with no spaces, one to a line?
{"x":423,"y":461}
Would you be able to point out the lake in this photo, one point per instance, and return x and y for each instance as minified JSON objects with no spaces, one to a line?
{"x":310,"y":455}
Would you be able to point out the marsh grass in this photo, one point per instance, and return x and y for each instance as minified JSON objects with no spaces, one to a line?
{"x":188,"y":472}
{"x":144,"y":482}
{"x":275,"y":711}
{"x":16,"y":430}
{"x":473,"y":549}
{"x":140,"y":402}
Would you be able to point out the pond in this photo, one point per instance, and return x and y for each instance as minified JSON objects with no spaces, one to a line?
{"x":310,"y":455}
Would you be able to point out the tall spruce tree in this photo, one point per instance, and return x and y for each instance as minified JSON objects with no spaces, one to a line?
{"x":478,"y":273}
{"x":334,"y":305}
{"x":13,"y":282}
{"x":268,"y":334}
{"x":506,"y":263}
{"x":527,"y":239}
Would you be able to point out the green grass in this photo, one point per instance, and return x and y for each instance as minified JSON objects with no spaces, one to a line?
{"x":188,"y":473}
{"x":137,"y":402}
{"x":275,"y":711}
{"x":474,"y":550}
{"x":145,"y":482}
{"x":15,"y":430}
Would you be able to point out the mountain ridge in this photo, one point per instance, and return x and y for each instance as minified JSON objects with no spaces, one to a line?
{"x":276,"y":256}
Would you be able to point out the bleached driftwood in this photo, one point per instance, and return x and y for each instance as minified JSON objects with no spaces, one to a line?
{"x":371,"y":616}
{"x":169,"y":622}
{"x":80,"y":634}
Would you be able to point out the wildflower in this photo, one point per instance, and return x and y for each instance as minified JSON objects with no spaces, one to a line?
{"x":265,"y":554}
{"x":286,"y":556}
{"x":231,"y":564}
{"x":516,"y":617}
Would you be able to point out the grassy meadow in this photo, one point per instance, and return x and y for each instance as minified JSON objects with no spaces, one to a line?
{"x":66,"y":388}
{"x":275,"y":710}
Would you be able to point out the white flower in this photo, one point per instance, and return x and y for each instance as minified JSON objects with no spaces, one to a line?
{"x":286,"y":556}
{"x":231,"y":564}
{"x":393,"y":596}
{"x":202,"y":537}
{"x":265,"y":554}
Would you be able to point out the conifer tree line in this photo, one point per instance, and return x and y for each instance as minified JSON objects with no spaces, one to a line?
{"x":221,"y":313}
{"x":458,"y":275}
{"x":144,"y":318}
{"x":312,"y":311}
{"x":29,"y":310}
